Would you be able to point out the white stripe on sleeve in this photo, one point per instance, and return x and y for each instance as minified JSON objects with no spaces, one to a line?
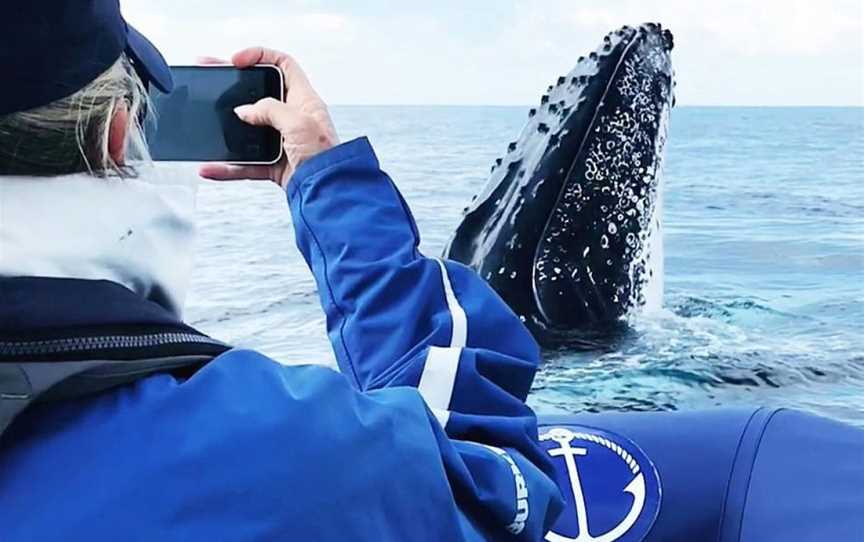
{"x":439,"y":376}
{"x":457,"y":313}
{"x":439,"y":371}
{"x":442,"y":416}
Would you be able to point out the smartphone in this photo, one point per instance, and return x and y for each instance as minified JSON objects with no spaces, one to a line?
{"x":196,"y":122}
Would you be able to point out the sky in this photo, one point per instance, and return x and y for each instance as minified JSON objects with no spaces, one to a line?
{"x":506,"y":52}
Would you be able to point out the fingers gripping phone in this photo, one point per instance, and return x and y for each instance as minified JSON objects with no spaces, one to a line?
{"x":196,"y":121}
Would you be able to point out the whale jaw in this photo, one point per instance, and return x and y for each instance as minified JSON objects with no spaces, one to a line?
{"x":567,"y":230}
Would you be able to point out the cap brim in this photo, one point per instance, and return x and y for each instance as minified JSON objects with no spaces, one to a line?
{"x":149,"y":62}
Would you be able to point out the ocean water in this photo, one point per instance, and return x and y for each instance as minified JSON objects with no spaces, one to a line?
{"x":764,"y":258}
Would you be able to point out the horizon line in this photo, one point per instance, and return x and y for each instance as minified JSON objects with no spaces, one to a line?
{"x":719,"y":106}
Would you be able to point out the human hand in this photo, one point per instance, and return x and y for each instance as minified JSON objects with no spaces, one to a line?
{"x":302,"y":119}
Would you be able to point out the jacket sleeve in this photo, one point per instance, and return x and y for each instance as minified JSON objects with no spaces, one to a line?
{"x":397,"y":318}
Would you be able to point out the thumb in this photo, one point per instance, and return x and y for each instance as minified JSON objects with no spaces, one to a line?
{"x":265,"y":112}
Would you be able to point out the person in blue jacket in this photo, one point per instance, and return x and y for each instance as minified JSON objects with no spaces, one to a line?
{"x":119,"y":422}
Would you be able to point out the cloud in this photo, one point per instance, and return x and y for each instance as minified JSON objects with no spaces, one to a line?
{"x":497,"y":52}
{"x":731,"y":52}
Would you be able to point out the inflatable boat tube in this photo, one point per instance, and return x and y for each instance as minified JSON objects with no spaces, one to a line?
{"x":751,"y":475}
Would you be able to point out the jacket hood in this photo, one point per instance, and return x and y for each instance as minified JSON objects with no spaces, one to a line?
{"x":134,"y":232}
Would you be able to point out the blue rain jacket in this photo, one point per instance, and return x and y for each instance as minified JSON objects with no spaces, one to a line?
{"x":424,"y":436}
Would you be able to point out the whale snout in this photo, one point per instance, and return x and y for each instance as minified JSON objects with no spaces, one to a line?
{"x":657,"y":28}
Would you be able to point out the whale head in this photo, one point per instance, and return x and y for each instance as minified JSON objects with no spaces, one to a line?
{"x":567,"y":229}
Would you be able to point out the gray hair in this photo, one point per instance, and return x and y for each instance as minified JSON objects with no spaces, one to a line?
{"x":70,"y":135}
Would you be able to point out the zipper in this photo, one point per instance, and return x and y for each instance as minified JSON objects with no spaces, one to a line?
{"x":107,"y":342}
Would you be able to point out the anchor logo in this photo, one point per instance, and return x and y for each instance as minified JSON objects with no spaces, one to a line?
{"x":598,"y":442}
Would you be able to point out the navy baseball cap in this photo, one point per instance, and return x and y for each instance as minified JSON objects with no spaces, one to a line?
{"x":50,"y":49}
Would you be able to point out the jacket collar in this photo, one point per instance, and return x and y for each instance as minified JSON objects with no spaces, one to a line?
{"x":36,"y":307}
{"x":70,"y":338}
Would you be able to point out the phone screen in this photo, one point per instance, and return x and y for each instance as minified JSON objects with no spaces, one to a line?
{"x":196,"y":121}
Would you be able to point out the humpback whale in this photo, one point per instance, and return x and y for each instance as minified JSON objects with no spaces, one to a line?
{"x":567,"y":228}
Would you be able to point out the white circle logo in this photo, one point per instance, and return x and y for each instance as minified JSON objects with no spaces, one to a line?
{"x":611,"y":487}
